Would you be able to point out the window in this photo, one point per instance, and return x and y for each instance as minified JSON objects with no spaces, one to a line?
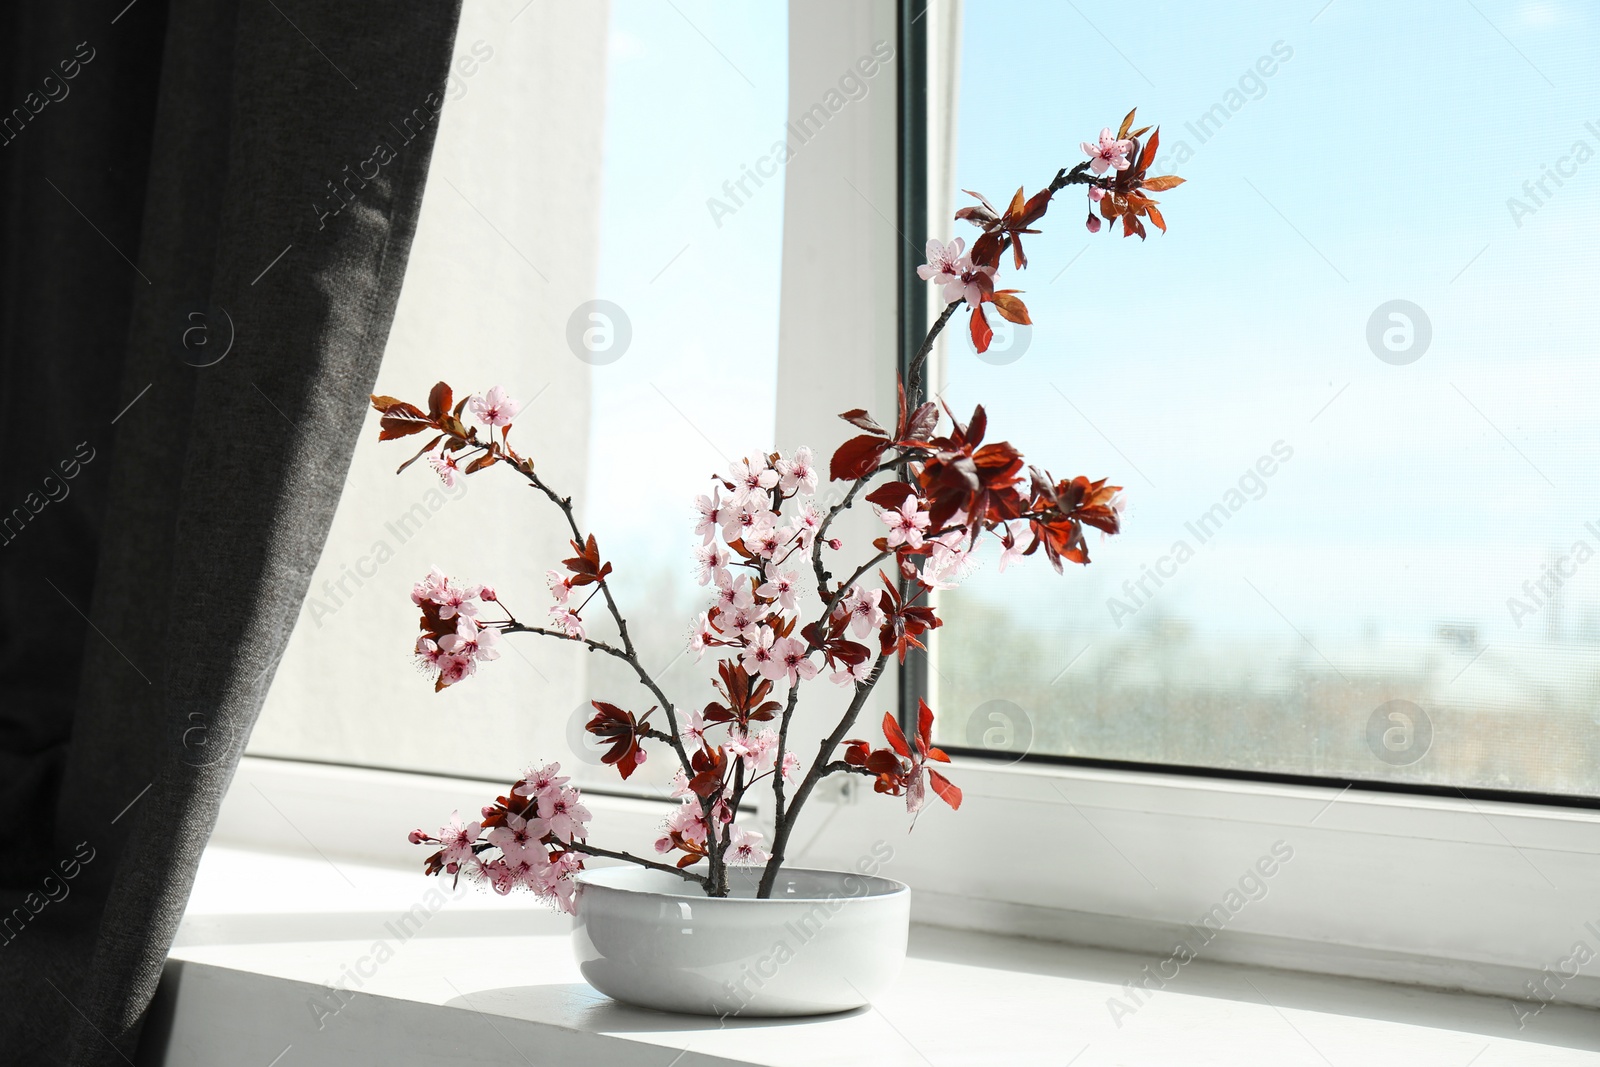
{"x":563,"y":251}
{"x":1251,"y":337}
{"x":1349,"y":395}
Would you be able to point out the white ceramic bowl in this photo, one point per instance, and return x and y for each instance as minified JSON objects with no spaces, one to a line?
{"x":825,"y":941}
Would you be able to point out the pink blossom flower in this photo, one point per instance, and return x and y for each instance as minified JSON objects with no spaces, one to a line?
{"x":793,"y":662}
{"x":743,"y":521}
{"x":536,"y":782}
{"x":494,"y":408}
{"x":561,"y":812}
{"x":733,"y":594}
{"x":444,"y":464}
{"x":458,"y":837}
{"x":948,"y":562}
{"x":430,"y":588}
{"x":530,"y":868}
{"x":759,"y":657}
{"x":764,"y":541}
{"x":798,"y":474}
{"x":711,"y":561}
{"x":693,"y":730}
{"x":703,"y":636}
{"x":1109,"y":154}
{"x":943,"y":260}
{"x":865,"y":614}
{"x":791,"y":766}
{"x":689,"y":820}
{"x":502,"y":879}
{"x":710,"y":508}
{"x":968,"y":282}
{"x":751,"y":483}
{"x":567,"y":620}
{"x":1012,"y":545}
{"x":513,"y":837}
{"x":453,"y":669}
{"x":560,"y":585}
{"x":757,"y":750}
{"x":428,"y":653}
{"x":468,"y":640}
{"x":456,"y":600}
{"x":807,"y":521}
{"x":784,"y":588}
{"x":560,"y":884}
{"x":854,"y":674}
{"x":744,"y":847}
{"x":905,"y":523}
{"x":678,"y":784}
{"x":741,"y":621}
{"x":487,"y":645}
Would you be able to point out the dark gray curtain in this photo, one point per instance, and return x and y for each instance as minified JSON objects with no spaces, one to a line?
{"x":200,"y":263}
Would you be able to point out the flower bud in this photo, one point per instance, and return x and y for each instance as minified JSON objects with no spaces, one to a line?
{"x":417,"y":837}
{"x":835,"y":544}
{"x":488,"y":593}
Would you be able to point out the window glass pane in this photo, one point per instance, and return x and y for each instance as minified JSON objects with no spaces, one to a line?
{"x":1351,"y":393}
{"x":564,"y":252}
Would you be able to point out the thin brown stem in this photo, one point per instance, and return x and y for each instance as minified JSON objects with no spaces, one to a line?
{"x":781,"y":832}
{"x":834,"y":512}
{"x":783,"y":748}
{"x":628,"y":857}
{"x":914,"y":372}
{"x":629,"y":653}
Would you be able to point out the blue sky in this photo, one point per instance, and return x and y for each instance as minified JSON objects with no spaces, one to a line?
{"x":1374,"y":164}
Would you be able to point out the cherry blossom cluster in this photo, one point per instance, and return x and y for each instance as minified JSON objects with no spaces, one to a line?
{"x":532,"y":838}
{"x":778,"y":617}
{"x":750,"y":554}
{"x":453,"y":639}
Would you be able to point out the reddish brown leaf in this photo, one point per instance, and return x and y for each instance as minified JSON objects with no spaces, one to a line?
{"x":1163,"y":183}
{"x":946,"y":790}
{"x":439,"y":400}
{"x":402,"y":420}
{"x":890,"y":495}
{"x":982,"y":332}
{"x":1012,"y":309}
{"x":857,"y":458}
{"x":858,"y":417}
{"x":896,"y":737}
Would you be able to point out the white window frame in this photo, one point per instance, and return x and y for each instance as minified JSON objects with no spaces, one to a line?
{"x":1449,"y":891}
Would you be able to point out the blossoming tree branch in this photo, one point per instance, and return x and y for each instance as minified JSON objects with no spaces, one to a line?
{"x":941,"y":489}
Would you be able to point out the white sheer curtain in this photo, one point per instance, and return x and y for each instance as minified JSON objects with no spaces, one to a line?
{"x":507,"y":246}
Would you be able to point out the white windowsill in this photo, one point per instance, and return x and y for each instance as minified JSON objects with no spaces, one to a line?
{"x":493,"y":980}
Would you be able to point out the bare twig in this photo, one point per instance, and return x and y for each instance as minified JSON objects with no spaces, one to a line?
{"x":628,"y":857}
{"x":629,"y":654}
